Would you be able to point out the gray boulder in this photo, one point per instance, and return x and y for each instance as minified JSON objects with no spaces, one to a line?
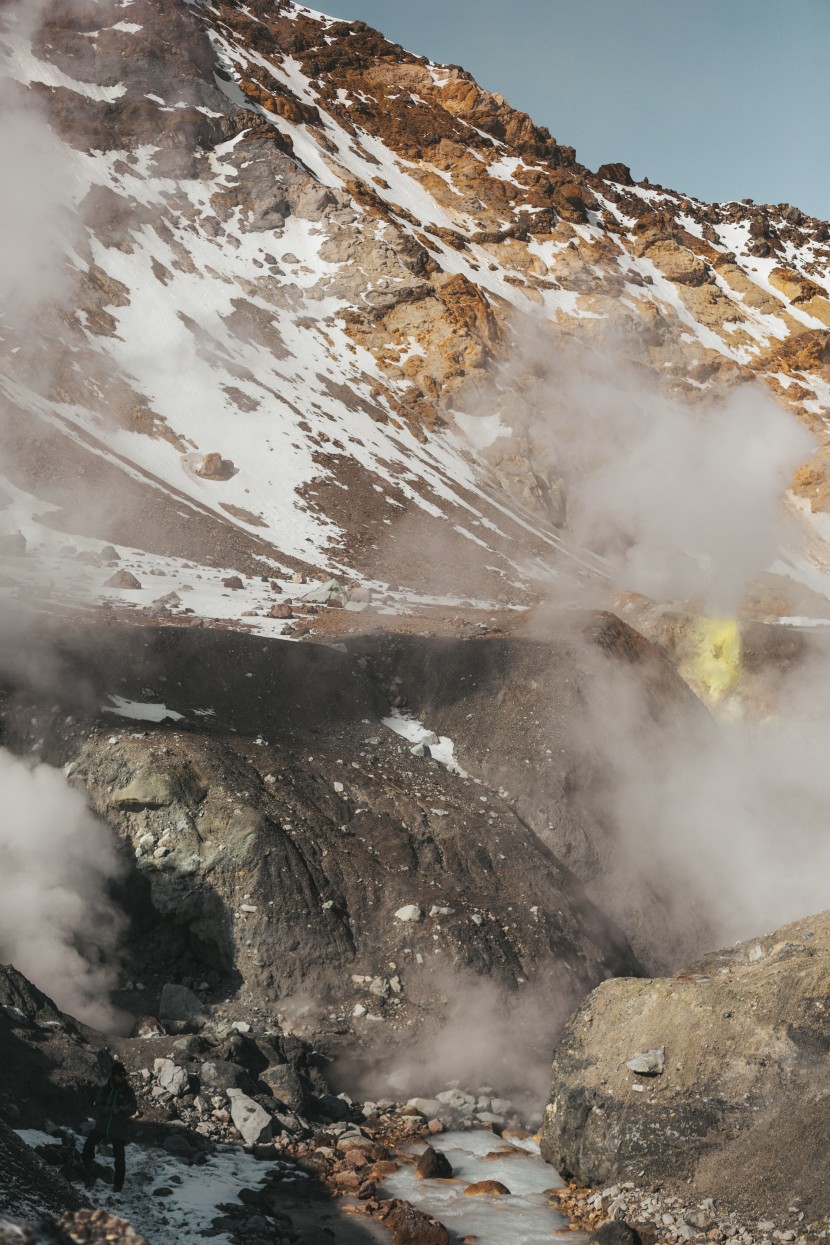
{"x":252,"y":1120}
{"x":284,"y":1083}
{"x":181,"y":1005}
{"x":170,"y":1077}
{"x":221,"y":1074}
{"x":328,"y":593}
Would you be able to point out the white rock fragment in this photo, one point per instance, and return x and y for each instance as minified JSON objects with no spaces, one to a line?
{"x":170,"y":1077}
{"x":648,"y":1062}
{"x":409,"y":912}
{"x":252,"y":1120}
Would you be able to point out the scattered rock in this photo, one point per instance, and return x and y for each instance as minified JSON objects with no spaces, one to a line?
{"x":433,"y":1165}
{"x":328,"y":593}
{"x":170,"y":1077}
{"x":412,"y":1227}
{"x":487,"y":1188}
{"x":616,"y":1232}
{"x":214,"y":467}
{"x":648,"y":1063}
{"x":124,"y":580}
{"x":410,"y":912}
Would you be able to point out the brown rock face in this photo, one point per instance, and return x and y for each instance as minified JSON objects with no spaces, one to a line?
{"x":413,"y":1227}
{"x":487,"y":1188}
{"x":739,"y":1109}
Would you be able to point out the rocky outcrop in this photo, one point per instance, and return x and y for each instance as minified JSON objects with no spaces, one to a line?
{"x":733,"y":1103}
{"x":51,"y":1062}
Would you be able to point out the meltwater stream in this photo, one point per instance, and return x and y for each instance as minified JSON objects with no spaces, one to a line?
{"x":526,"y":1217}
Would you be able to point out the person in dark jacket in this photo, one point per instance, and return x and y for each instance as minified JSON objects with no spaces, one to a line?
{"x":114,"y":1104}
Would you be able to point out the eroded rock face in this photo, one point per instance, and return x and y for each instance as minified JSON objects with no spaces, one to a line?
{"x":738,"y":1111}
{"x":288,"y":844}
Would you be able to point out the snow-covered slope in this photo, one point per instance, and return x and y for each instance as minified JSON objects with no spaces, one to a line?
{"x":270,"y":291}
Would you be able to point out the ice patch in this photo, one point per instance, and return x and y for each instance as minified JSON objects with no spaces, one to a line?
{"x":138,"y":711}
{"x":416,"y":733}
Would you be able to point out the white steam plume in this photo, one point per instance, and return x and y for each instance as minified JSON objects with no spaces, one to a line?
{"x":478,"y":1034}
{"x":56,"y":863}
{"x":683,"y":499}
{"x":35,"y":191}
{"x":716,"y":831}
{"x":57,"y":924}
{"x":732,"y":817}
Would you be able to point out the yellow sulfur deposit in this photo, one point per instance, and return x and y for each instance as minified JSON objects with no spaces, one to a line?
{"x":713,"y":660}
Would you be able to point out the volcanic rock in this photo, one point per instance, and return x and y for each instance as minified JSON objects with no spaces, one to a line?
{"x":739,"y":1112}
{"x":615,"y":1232}
{"x":252,"y":1120}
{"x":214,"y":467}
{"x":171,"y":1078}
{"x":412,"y":1227}
{"x":433,"y":1165}
{"x":181,"y":1004}
{"x":124,"y":580}
{"x":284,"y":1082}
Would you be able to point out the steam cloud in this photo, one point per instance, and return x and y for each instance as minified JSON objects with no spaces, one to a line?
{"x":682,"y":499}
{"x":56,"y":862}
{"x":722,"y":824}
{"x":480,"y":1036}
{"x":57,"y":923}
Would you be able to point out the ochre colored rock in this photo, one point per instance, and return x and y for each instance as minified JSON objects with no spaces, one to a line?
{"x":487,"y":1188}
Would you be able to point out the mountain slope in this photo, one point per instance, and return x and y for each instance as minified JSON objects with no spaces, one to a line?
{"x":295,"y":261}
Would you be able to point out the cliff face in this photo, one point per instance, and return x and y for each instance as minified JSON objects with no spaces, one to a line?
{"x":270,"y":289}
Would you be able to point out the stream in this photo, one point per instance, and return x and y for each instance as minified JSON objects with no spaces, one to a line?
{"x":526,"y":1217}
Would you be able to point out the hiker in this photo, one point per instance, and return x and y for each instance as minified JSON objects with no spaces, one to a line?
{"x":114,"y":1104}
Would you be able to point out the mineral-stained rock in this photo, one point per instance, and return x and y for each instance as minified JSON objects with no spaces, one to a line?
{"x":740,"y":1109}
{"x":487,"y":1188}
{"x":412,"y":1227}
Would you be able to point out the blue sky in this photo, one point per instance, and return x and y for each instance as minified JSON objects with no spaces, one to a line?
{"x":723,"y":99}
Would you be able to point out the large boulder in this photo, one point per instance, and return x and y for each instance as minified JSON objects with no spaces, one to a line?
{"x":252,"y":1120}
{"x":170,"y":1077}
{"x":225,"y":1075}
{"x":284,"y":1082}
{"x":181,"y":1005}
{"x":716,"y":1077}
